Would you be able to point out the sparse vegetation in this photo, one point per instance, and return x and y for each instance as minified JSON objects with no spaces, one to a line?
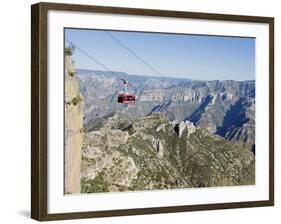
{"x":71,"y":73}
{"x":94,"y":185}
{"x":69,"y":50}
{"x":196,"y":160}
{"x":76,"y":100}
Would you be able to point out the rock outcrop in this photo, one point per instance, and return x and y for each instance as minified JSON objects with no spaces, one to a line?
{"x":103,"y":167}
{"x":180,"y":127}
{"x":150,"y":154}
{"x":73,"y":128}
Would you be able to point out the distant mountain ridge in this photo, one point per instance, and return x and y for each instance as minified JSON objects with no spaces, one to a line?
{"x":113,"y":73}
{"x":225,"y":108}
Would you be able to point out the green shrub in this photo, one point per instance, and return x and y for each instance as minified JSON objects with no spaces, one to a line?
{"x":94,"y":185}
{"x":71,"y":73}
{"x":68,"y":51}
{"x":76,"y":100}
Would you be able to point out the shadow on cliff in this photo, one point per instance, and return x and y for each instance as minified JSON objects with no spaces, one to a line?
{"x":235,"y":118}
{"x":196,"y":115}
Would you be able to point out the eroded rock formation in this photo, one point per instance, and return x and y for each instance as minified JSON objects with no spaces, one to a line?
{"x":73,"y":128}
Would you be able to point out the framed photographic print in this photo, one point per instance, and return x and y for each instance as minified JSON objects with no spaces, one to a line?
{"x":139,"y":111}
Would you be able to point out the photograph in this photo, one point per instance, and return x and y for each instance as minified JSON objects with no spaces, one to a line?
{"x":157,"y":111}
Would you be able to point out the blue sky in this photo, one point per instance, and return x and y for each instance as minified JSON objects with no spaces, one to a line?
{"x":185,"y":56}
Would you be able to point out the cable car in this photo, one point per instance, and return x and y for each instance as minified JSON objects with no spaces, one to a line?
{"x":126,"y":97}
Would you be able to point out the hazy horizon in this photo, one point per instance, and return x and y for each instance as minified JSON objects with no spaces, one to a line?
{"x":166,"y":76}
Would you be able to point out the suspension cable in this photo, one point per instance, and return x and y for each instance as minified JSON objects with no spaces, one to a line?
{"x":133,"y":53}
{"x":89,"y":56}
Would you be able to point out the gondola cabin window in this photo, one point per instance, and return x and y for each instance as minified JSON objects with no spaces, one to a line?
{"x":126,"y":98}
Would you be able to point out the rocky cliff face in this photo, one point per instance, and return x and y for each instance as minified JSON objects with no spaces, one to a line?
{"x":73,"y":128}
{"x":226,"y":108}
{"x":179,"y":134}
{"x":152,"y":152}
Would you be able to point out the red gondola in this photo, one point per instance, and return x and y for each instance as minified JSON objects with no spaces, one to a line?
{"x":126,"y":97}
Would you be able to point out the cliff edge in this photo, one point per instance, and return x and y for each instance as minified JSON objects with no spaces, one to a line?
{"x":73,"y":127}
